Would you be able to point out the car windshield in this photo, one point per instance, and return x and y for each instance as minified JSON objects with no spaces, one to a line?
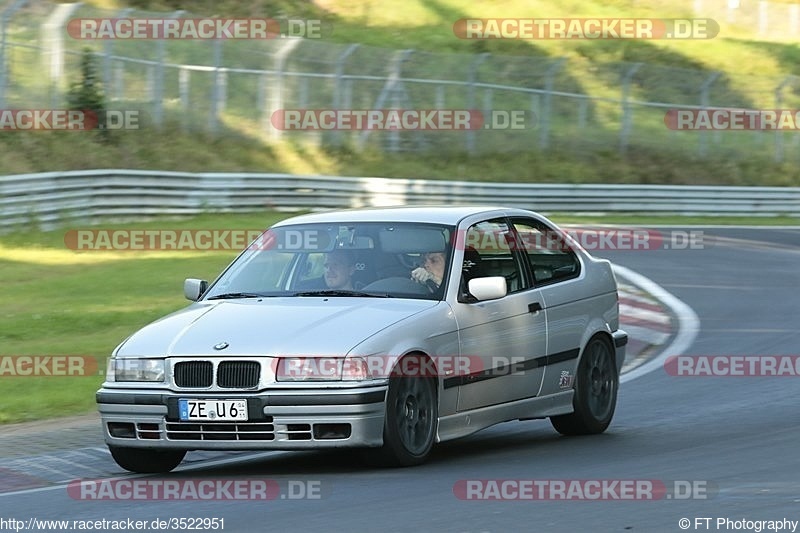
{"x":341,"y":260}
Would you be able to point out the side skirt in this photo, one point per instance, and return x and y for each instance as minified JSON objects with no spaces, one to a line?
{"x":468,"y":422}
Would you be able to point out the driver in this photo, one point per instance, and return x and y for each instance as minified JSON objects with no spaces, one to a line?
{"x":431,"y":272}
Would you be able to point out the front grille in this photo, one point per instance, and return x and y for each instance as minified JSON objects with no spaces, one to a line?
{"x":194,"y":374}
{"x":238,"y":374}
{"x":221,"y":431}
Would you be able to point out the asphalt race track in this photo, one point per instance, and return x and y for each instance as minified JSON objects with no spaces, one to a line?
{"x":734,"y":440}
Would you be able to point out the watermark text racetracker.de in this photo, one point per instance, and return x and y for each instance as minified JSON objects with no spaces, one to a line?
{"x":71,"y":119}
{"x":583,"y":489}
{"x":733,"y":365}
{"x":585,"y":28}
{"x":401,"y":119}
{"x":194,"y":28}
{"x":591,"y":239}
{"x":726,"y":119}
{"x":170,"y":239}
{"x":197,"y":489}
{"x":707,"y":523}
{"x":48,"y":365}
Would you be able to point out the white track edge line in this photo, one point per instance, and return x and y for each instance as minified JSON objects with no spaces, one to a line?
{"x":688,"y":322}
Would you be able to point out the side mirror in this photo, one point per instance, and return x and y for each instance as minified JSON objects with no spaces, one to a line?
{"x":490,"y":288}
{"x":193,"y":289}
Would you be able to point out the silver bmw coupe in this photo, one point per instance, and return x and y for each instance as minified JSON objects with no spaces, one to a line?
{"x":383,"y":329}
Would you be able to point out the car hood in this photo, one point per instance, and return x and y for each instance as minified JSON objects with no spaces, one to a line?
{"x":270,"y":326}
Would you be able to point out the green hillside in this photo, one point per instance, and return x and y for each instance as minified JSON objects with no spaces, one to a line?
{"x":584,"y":142}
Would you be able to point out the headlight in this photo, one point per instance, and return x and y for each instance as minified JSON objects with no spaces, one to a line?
{"x":355,"y":369}
{"x":126,"y":369}
{"x":322,"y":369}
{"x":309,"y":369}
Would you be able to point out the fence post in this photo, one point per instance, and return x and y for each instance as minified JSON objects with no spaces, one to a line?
{"x":184,"y":82}
{"x":583,"y":112}
{"x":778,"y":104}
{"x":276,"y":93}
{"x":704,"y":104}
{"x":213,"y":119}
{"x":4,"y":17}
{"x":108,"y":53}
{"x":544,"y":129}
{"x":340,"y":62}
{"x":473,"y":76}
{"x":119,"y":79}
{"x":625,"y":129}
{"x":388,"y":91}
{"x":338,"y":87}
{"x":158,"y":82}
{"x":52,"y":34}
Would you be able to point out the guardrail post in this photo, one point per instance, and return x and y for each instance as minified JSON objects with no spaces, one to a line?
{"x":544,"y":122}
{"x":4,"y":18}
{"x":625,"y":129}
{"x":704,"y":103}
{"x":473,"y":77}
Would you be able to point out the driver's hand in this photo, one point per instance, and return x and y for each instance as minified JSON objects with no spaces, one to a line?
{"x":420,"y":275}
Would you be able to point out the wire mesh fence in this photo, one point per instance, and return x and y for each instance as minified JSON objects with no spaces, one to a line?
{"x":570,"y":105}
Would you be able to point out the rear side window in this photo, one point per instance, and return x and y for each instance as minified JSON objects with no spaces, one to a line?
{"x":551,"y":259}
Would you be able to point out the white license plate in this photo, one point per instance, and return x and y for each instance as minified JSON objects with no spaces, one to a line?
{"x":216,"y":410}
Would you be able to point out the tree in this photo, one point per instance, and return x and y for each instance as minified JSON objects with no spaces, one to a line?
{"x":87,"y":94}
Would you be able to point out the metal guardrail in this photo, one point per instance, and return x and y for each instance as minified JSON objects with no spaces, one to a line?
{"x":50,"y":199}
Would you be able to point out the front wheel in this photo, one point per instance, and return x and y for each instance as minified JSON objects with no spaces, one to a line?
{"x":596,"y":388}
{"x":409,"y":428}
{"x":145,"y":460}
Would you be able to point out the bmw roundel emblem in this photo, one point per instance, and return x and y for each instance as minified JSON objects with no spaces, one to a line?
{"x":221,"y":345}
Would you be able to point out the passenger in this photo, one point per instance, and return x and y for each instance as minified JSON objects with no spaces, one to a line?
{"x":339,"y":268}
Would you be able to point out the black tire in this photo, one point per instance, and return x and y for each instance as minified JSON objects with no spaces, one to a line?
{"x":409,"y":427}
{"x":596,"y":386}
{"x":147,"y":460}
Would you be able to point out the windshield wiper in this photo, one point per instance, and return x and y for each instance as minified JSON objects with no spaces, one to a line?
{"x":339,"y":292}
{"x":234,"y":295}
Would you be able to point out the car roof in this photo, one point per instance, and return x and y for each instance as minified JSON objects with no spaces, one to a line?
{"x":450,"y":215}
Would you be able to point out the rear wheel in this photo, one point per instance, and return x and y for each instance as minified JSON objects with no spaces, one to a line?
{"x":596,"y":388}
{"x":146,"y":461}
{"x":409,"y":427}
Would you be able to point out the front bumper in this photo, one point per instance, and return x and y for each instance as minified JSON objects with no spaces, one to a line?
{"x":620,"y":342}
{"x":297,"y":419}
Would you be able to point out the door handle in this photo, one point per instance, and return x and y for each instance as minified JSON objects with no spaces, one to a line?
{"x":534,"y":307}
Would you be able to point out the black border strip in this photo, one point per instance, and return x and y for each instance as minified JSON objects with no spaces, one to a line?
{"x":505,"y":370}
